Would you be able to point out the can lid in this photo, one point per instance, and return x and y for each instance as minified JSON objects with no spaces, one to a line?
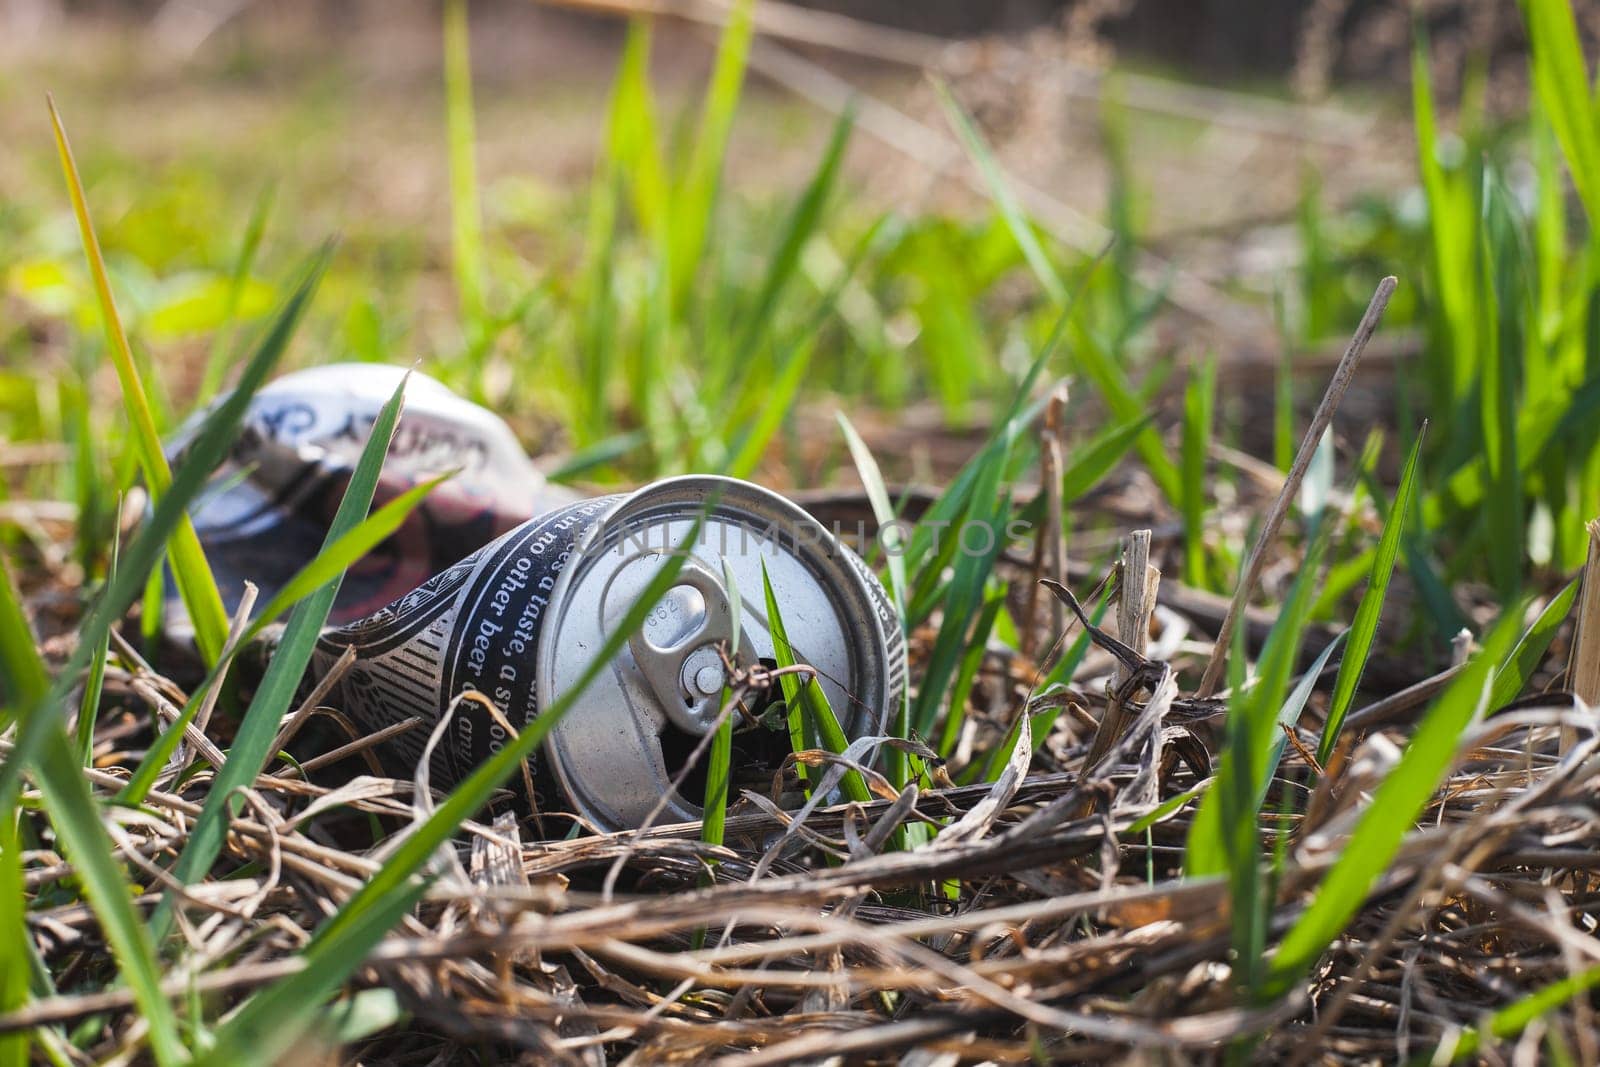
{"x":613,"y":751}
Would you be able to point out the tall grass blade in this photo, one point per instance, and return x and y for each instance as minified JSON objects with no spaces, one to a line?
{"x":892,"y":537}
{"x":1394,"y":810}
{"x":715,"y":805}
{"x":1452,"y":216}
{"x":806,"y":696}
{"x":23,"y":675}
{"x":466,"y":214}
{"x":1005,"y":200}
{"x":15,"y":943}
{"x":1364,"y":630}
{"x":1097,"y":363}
{"x":696,"y":198}
{"x":326,"y":567}
{"x":211,"y":444}
{"x":971,"y":660}
{"x":1561,"y":81}
{"x":720,"y":759}
{"x":1289,"y":714}
{"x":798,"y":228}
{"x":1503,"y":308}
{"x":196,"y":584}
{"x":1017,"y":413}
{"x":89,"y":702}
{"x":76,"y":818}
{"x":238,"y":277}
{"x":273,"y":1020}
{"x":883,"y":513}
{"x":991,"y":505}
{"x":252,"y":743}
{"x":1254,"y":715}
{"x":632,"y":143}
{"x":341,"y":551}
{"x":1512,"y":677}
{"x":1199,"y":400}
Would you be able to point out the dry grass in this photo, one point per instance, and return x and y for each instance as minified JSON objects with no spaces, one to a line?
{"x":1042,"y":921}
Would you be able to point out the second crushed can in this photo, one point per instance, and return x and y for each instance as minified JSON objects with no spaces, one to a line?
{"x":521,"y":619}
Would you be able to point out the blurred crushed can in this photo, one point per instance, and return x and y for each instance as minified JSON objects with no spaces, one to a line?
{"x":268,"y":508}
{"x":506,"y":585}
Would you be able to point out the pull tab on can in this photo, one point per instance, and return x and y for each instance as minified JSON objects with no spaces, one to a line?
{"x":681,"y":645}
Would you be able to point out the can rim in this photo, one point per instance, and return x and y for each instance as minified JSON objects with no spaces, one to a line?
{"x":733,"y":496}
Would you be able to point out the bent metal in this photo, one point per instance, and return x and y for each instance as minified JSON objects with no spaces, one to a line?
{"x":508,"y":586}
{"x":520,"y":620}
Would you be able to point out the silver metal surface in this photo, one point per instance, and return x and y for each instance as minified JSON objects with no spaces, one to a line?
{"x":607,"y":752}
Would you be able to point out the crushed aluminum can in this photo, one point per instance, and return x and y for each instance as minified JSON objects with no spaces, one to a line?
{"x":267,"y":509}
{"x":521,"y":619}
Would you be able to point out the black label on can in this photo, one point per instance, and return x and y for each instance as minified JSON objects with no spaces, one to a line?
{"x":474,"y":626}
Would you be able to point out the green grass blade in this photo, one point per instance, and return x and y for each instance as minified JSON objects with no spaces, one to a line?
{"x":269,"y":1023}
{"x":1293,"y":705}
{"x":359,"y":1016}
{"x":775,"y":393}
{"x":343,"y":551}
{"x":971,"y":660}
{"x":632,"y":143}
{"x":892,"y":537}
{"x":808,"y":694}
{"x":89,"y":703}
{"x":1097,"y":364}
{"x":990,"y":508}
{"x":1254,"y":715}
{"x":94,"y":685}
{"x":1364,"y":631}
{"x":1091,"y":462}
{"x":798,"y":228}
{"x":697,"y":196}
{"x":273,"y":1020}
{"x":1018,"y":413}
{"x":243,"y":264}
{"x":1512,"y":678}
{"x":777,"y":403}
{"x":1283,"y":440}
{"x":1005,"y":200}
{"x":23,"y":676}
{"x":1505,"y":285}
{"x":156,"y":757}
{"x":1199,"y":401}
{"x":76,"y":818}
{"x":1512,"y":1019}
{"x":466,"y":214}
{"x":1561,"y":81}
{"x":720,"y":759}
{"x":327,"y":566}
{"x":1394,"y":809}
{"x":196,"y":584}
{"x":211,"y":445}
{"x":252,"y":744}
{"x":15,"y":944}
{"x":1041,"y":723}
{"x":718,"y":768}
{"x":882,"y":510}
{"x":1452,"y":218}
{"x":1100,"y":456}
